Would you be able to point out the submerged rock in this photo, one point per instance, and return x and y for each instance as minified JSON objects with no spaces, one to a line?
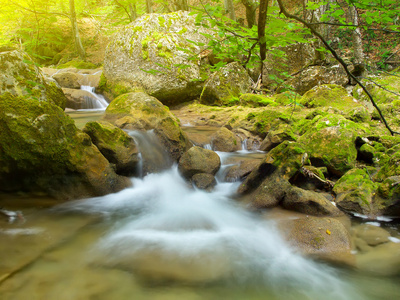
{"x":148,"y":54}
{"x":139,"y":111}
{"x":116,"y":145}
{"x":198,"y":160}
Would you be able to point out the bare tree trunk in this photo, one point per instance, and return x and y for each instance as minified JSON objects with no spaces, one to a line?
{"x":251,"y":7}
{"x":75,"y":32}
{"x":181,"y":5}
{"x":133,"y":12}
{"x":230,"y":9}
{"x":149,"y":6}
{"x":359,"y":57}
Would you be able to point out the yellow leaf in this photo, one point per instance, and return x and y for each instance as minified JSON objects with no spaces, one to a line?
{"x":328,"y":232}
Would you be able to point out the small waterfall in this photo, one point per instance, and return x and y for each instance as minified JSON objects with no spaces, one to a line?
{"x":153,"y":156}
{"x":96,"y":102}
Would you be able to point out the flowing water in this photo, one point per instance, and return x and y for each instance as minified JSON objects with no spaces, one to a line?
{"x":164,"y":239}
{"x":96,"y":102}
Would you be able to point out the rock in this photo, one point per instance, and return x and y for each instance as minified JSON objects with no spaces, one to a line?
{"x":204,"y":181}
{"x":297,"y":57}
{"x":359,"y":115}
{"x":355,"y":192}
{"x":309,"y":202}
{"x":276,"y":137}
{"x":389,"y":191}
{"x":372,"y":235}
{"x":67,"y":80}
{"x":380,"y":95}
{"x":42,"y":151}
{"x":383,"y":260}
{"x":240,"y":171}
{"x":315,"y":76}
{"x":147,"y":55}
{"x":322,"y":238}
{"x":226,"y":85}
{"x":225,"y":140}
{"x":198,"y":160}
{"x":366,"y":153}
{"x":20,"y":77}
{"x":329,"y":95}
{"x":255,"y":100}
{"x":77,"y":99}
{"x":116,"y":145}
{"x":333,"y":147}
{"x":139,"y":111}
{"x":249,"y":140}
{"x":267,"y":184}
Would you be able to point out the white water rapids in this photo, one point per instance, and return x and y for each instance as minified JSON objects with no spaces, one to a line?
{"x":164,"y":230}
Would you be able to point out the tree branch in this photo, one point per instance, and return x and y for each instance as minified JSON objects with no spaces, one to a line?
{"x":338,"y":58}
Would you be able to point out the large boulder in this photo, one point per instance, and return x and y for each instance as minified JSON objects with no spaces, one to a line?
{"x":67,"y":80}
{"x":42,"y":151}
{"x":198,"y":160}
{"x":226,"y":85}
{"x":139,"y":111}
{"x":318,"y":75}
{"x":116,"y":145}
{"x":20,"y":77}
{"x":151,"y":54}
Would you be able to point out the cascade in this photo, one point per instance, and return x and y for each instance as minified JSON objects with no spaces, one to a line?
{"x":97,"y":102}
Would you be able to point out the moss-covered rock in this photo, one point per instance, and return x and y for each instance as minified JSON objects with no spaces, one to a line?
{"x":67,"y":80}
{"x":116,"y":145}
{"x":255,"y":100}
{"x":148,"y":55}
{"x":41,"y":150}
{"x":391,"y":83}
{"x":276,"y":137}
{"x":139,"y":111}
{"x":330,"y":142}
{"x":226,"y":84}
{"x":355,"y":192}
{"x":21,"y":77}
{"x":329,"y":95}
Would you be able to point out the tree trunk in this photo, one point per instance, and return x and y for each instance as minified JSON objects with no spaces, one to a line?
{"x":133,"y":12}
{"x":149,"y":6}
{"x":251,"y":7}
{"x":230,"y":9}
{"x":359,"y":58}
{"x":181,"y":5}
{"x":75,"y":32}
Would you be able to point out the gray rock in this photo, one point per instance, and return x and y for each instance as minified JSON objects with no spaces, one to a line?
{"x":198,"y":160}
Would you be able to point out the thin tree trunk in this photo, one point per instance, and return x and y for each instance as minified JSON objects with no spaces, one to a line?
{"x":149,"y":6}
{"x":359,"y":57}
{"x":181,"y":5}
{"x":75,"y":32}
{"x":251,"y":7}
{"x":230,"y":9}
{"x":132,"y":10}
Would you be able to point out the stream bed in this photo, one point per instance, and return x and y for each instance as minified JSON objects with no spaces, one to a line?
{"x":164,"y":239}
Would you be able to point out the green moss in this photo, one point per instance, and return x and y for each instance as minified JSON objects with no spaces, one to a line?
{"x":77,"y":64}
{"x":254,"y":100}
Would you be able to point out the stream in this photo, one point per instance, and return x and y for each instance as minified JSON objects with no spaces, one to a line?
{"x":164,"y":239}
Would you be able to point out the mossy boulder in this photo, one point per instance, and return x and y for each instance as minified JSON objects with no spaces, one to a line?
{"x":67,"y":80}
{"x":329,"y":95}
{"x":390,"y":168}
{"x":198,"y":160}
{"x":276,"y":137}
{"x":42,"y":151}
{"x":330,"y":142}
{"x":139,"y":111}
{"x":389,"y":191}
{"x":116,"y":145}
{"x":21,"y":77}
{"x":226,"y":84}
{"x":255,"y":100}
{"x":150,"y":55}
{"x":225,"y":140}
{"x":356,"y":192}
{"x":78,"y":64}
{"x":391,"y":83}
